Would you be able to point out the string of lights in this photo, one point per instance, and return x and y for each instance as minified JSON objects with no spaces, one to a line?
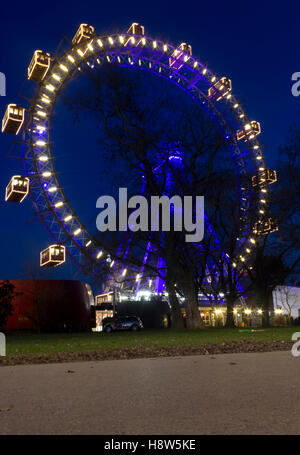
{"x":130,"y":49}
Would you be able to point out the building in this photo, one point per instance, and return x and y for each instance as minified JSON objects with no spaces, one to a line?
{"x":51,"y":305}
{"x":286,"y":300}
{"x":155,"y":312}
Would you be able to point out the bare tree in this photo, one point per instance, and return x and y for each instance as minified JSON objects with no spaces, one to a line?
{"x":138,"y":125}
{"x":289,"y":299}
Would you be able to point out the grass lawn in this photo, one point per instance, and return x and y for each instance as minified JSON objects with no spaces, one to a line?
{"x":31,"y":343}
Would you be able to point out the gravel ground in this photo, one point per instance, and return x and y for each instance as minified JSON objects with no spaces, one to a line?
{"x":148,"y":352}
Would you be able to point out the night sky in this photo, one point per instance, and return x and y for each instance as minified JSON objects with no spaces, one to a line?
{"x":255,"y":44}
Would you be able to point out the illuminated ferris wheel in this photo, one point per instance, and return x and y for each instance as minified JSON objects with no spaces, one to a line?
{"x":133,"y":49}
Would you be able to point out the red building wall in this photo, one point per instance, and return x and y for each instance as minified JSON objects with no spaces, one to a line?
{"x":50,"y":304}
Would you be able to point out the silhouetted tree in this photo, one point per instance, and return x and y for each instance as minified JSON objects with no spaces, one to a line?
{"x":139,"y":124}
{"x":7,"y":295}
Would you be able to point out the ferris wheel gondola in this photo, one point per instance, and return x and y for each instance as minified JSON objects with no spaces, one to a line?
{"x":39,"y":66}
{"x":17,"y":189}
{"x":13,"y":119}
{"x":53,"y":256}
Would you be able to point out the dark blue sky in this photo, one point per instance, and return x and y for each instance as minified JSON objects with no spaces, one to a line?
{"x":255,"y":44}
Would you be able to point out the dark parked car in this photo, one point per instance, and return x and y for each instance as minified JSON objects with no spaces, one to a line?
{"x":122,"y":323}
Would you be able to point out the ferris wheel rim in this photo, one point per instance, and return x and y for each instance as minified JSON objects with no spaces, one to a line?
{"x":209,"y":105}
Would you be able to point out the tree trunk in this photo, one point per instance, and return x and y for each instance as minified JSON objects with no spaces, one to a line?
{"x":265,"y":319}
{"x":185,"y":280}
{"x":266,"y":310}
{"x":229,"y":318}
{"x":177,"y":318}
{"x":193,"y":317}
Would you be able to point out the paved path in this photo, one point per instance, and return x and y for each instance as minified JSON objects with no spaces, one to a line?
{"x":224,"y":394}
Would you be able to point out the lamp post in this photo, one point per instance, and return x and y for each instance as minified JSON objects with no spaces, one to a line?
{"x":108,"y":261}
{"x":114,"y":301}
